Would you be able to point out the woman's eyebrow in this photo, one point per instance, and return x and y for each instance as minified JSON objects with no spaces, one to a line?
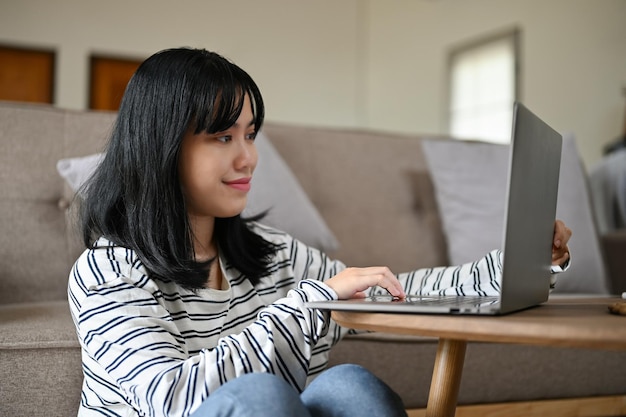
{"x":251,"y":123}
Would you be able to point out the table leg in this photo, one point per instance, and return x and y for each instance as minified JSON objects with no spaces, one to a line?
{"x":444,"y":386}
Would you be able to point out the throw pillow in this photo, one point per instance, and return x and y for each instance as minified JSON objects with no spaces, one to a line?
{"x":76,"y":171}
{"x":274,"y":188}
{"x":470,"y":180}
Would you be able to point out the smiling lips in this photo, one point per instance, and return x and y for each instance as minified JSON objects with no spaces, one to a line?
{"x":242,"y":184}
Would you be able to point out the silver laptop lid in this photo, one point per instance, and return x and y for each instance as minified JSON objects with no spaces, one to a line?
{"x":530,"y":211}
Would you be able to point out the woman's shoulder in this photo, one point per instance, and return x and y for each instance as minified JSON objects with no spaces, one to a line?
{"x":105,"y":249}
{"x":105,"y":262}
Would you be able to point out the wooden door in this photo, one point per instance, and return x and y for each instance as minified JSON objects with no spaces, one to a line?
{"x":26,"y":74}
{"x":109,"y":77}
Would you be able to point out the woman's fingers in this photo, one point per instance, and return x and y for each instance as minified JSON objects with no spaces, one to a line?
{"x":562,"y":234}
{"x":560,"y":250}
{"x":560,"y":257}
{"x":353,"y":282}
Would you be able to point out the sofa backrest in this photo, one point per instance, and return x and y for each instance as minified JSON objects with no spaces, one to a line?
{"x":373,"y":189}
{"x":37,"y":248}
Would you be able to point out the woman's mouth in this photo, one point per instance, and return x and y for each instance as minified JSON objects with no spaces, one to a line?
{"x":241,"y":184}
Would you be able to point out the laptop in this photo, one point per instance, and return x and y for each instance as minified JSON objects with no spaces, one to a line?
{"x":530,"y":212}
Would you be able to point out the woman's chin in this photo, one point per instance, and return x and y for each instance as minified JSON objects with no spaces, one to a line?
{"x":232,"y":211}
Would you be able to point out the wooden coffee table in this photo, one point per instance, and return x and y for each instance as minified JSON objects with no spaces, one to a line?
{"x":562,"y":321}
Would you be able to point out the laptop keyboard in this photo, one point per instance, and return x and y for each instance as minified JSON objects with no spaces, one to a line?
{"x":444,"y":300}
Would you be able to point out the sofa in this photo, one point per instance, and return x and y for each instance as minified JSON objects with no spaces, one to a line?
{"x":365,"y":197}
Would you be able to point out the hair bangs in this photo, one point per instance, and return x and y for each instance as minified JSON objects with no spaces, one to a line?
{"x":216,"y":111}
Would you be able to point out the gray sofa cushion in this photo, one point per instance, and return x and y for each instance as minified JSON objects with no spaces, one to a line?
{"x":373,"y":189}
{"x":34,"y":197}
{"x":23,"y":327}
{"x":39,"y":360}
{"x":470,"y":181}
{"x":276,"y":189}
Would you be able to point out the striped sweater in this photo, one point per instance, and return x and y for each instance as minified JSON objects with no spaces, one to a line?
{"x":152,"y":348}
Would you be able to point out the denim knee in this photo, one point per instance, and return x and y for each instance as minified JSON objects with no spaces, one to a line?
{"x":348,"y":390}
{"x":253,"y":395}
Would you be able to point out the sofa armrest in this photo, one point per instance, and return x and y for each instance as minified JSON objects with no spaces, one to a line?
{"x":614,"y":245}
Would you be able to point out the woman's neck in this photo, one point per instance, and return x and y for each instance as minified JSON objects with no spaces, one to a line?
{"x":205,"y":248}
{"x":202,"y":228}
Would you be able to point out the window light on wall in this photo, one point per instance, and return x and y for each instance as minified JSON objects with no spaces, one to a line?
{"x":483,"y":86}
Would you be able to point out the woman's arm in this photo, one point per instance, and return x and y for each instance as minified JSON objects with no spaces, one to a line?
{"x":474,"y":278}
{"x":134,"y":344}
{"x":482,"y":277}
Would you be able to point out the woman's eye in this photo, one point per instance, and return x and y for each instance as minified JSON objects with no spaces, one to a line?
{"x":224,"y":139}
{"x":251,"y":136}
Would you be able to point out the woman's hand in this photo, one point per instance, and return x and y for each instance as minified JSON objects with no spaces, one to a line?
{"x":352,"y":282}
{"x":560,"y":250}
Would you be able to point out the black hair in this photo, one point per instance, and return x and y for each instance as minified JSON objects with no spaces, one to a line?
{"x":134,"y":198}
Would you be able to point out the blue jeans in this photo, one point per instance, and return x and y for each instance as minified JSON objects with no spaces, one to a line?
{"x":341,"y":391}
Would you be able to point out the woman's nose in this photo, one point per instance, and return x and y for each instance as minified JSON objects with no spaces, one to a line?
{"x":246,"y":155}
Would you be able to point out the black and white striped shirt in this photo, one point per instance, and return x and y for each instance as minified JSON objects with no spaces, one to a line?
{"x":153,"y":348}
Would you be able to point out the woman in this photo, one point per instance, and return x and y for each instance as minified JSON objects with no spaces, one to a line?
{"x":182,"y":307}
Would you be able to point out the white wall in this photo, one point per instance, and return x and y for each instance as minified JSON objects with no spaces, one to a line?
{"x":365,"y":63}
{"x":300,"y":53}
{"x":573,"y":62}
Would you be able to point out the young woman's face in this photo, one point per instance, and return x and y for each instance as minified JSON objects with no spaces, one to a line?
{"x":216,"y":169}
